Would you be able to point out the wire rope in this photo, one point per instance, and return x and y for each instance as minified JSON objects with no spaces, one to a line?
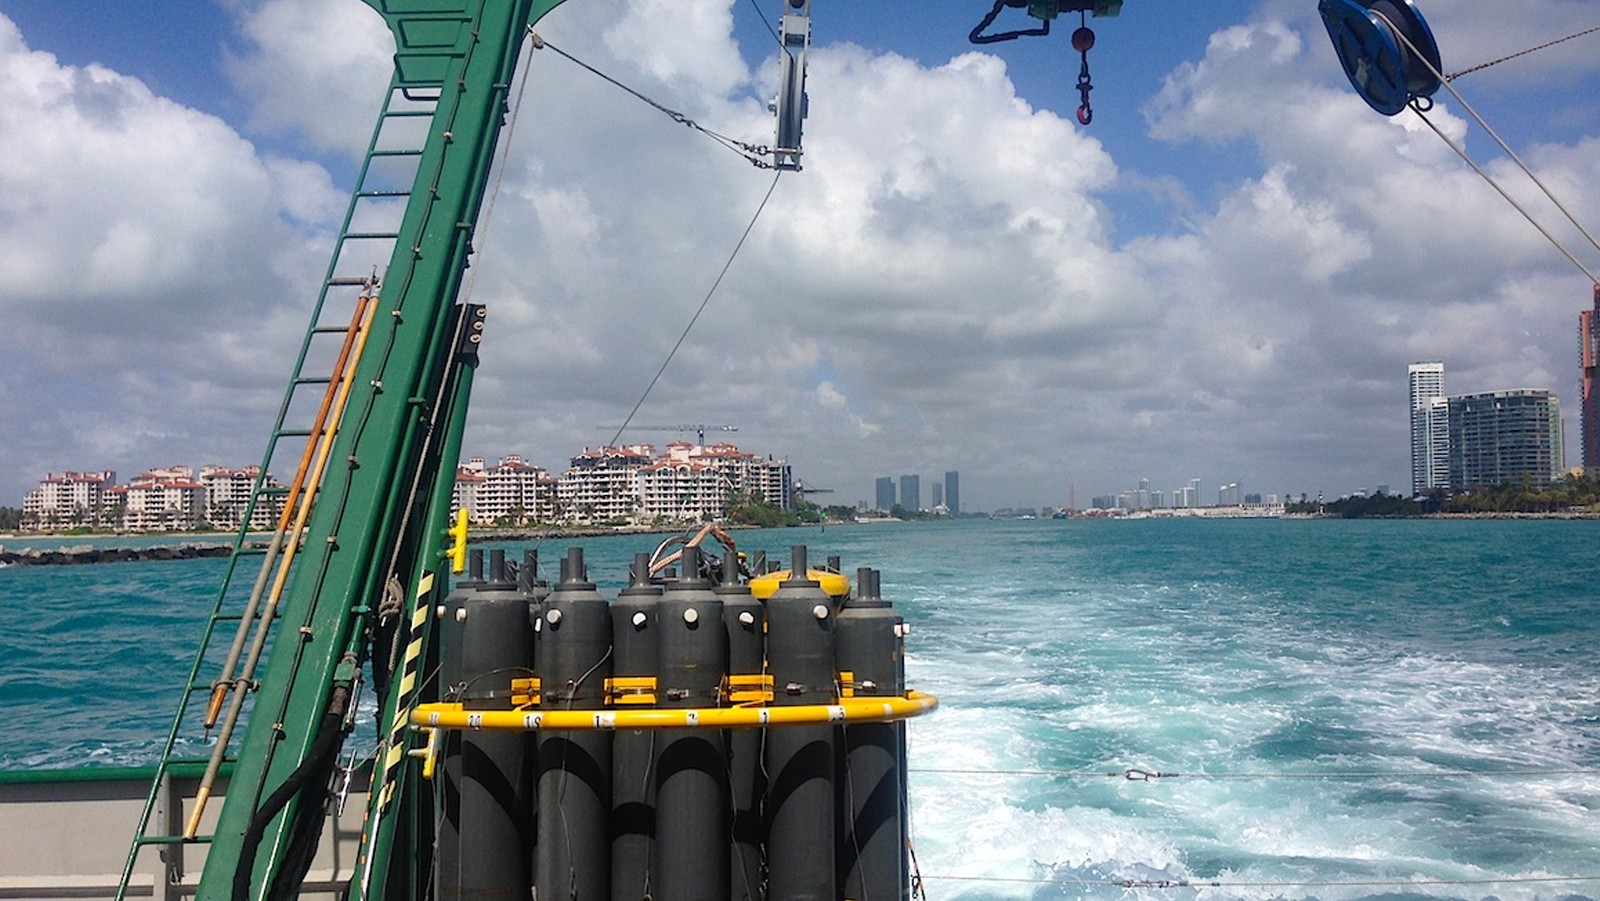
{"x":1495,"y":62}
{"x":701,"y":309}
{"x":1133,"y":774}
{"x":1420,"y":110}
{"x":1278,"y":884}
{"x":752,"y":153}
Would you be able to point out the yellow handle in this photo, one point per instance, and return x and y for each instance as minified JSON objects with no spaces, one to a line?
{"x":458,"y":544}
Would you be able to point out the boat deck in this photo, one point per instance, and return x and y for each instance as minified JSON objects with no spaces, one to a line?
{"x":66,"y":834}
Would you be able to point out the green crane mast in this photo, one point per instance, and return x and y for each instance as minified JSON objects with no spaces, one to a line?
{"x":380,"y":517}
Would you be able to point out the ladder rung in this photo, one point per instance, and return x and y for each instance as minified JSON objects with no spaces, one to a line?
{"x":417,"y":152}
{"x":313,"y":380}
{"x":274,"y":490}
{"x":394,"y":192}
{"x":172,"y":840}
{"x":330,"y":329}
{"x":294,"y":433}
{"x":371,"y":236}
{"x":407,"y":113}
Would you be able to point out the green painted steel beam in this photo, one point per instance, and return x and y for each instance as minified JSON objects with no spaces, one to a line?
{"x":383,"y":485}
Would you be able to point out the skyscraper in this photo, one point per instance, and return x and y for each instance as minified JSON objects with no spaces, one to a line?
{"x":885,"y":491}
{"x":1505,"y":437}
{"x":938,"y":495}
{"x":952,"y":492}
{"x":1589,"y":403}
{"x":1430,"y":458}
{"x":911,"y":493}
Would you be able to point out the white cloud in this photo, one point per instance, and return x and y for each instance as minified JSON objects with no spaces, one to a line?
{"x":145,"y":246}
{"x":941,"y":287}
{"x":313,"y":68}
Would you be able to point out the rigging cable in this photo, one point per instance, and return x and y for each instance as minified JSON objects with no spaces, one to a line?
{"x":1134,"y":774}
{"x":770,"y":30}
{"x":1495,"y":62}
{"x":752,"y":153}
{"x":1421,"y":110}
{"x":702,"y":308}
{"x":1270,"y":884}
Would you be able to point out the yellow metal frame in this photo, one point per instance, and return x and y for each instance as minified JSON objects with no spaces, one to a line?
{"x":430,"y":717}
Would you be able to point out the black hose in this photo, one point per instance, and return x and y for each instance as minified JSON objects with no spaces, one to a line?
{"x":324,"y":752}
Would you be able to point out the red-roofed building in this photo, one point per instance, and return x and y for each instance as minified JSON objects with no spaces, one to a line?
{"x":166,"y":500}
{"x":70,"y":500}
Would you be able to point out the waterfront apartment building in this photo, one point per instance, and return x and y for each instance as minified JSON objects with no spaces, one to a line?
{"x":952,"y":492}
{"x":1505,"y":438}
{"x":1481,"y":440}
{"x":630,"y":484}
{"x":228,"y":497}
{"x":1430,"y":437}
{"x":1230,"y":495}
{"x":69,"y":500}
{"x":161,"y":500}
{"x":1589,"y":386}
{"x":911,"y":493}
{"x":169,"y":499}
{"x":512,"y":492}
{"x":884,"y":494}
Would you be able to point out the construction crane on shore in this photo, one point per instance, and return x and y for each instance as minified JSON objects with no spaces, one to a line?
{"x":699,"y":429}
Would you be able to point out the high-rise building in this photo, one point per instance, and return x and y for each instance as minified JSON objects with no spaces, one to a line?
{"x":938,"y":495}
{"x":952,"y":492}
{"x":1504,"y":438}
{"x":911,"y":493}
{"x":1589,"y":404}
{"x":885,"y":494}
{"x":1430,"y":461}
{"x":1191,"y":495}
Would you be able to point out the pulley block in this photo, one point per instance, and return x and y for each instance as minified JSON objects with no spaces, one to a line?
{"x":1387,"y":50}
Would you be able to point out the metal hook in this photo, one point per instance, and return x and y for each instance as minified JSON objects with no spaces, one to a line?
{"x":1083,"y":42}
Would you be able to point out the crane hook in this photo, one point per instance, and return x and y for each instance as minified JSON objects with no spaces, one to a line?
{"x":1083,"y":42}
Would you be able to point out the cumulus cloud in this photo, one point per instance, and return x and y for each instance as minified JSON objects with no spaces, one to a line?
{"x":942,"y":287}
{"x":147,"y":249}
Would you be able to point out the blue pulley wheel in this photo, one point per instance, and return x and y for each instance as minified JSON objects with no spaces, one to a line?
{"x":1374,"y":40}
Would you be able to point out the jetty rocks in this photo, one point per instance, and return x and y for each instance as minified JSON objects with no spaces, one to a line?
{"x":85,"y":554}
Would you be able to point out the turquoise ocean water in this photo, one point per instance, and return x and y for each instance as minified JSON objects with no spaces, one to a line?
{"x":1343,"y":709}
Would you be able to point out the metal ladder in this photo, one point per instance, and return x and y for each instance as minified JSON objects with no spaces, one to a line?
{"x":307,"y":420}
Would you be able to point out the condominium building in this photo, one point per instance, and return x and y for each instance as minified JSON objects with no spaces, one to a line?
{"x":1505,"y":438}
{"x":884,"y":494}
{"x":1430,"y":459}
{"x":228,"y":496}
{"x":157,"y":499}
{"x":602,"y":485}
{"x":68,"y":500}
{"x":512,"y":492}
{"x":1230,"y":495}
{"x":687,"y":482}
{"x":952,"y":492}
{"x":1589,"y":402}
{"x":165,"y":500}
{"x":911,"y":493}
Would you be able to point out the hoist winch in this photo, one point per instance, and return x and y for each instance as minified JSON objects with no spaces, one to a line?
{"x":1046,"y":11}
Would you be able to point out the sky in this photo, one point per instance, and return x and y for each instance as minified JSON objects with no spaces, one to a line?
{"x":1222,"y":277}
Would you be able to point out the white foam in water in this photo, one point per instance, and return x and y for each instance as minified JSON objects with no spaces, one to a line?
{"x":1267,"y":703}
